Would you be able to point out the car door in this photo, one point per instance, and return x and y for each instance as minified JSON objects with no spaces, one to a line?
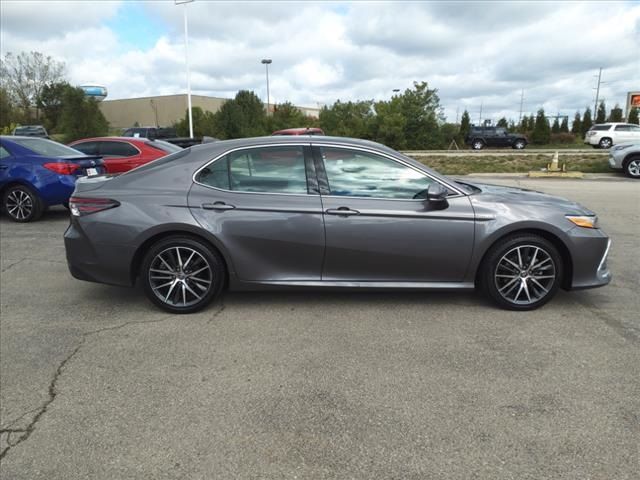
{"x":262,"y":204}
{"x":377,"y":231}
{"x":621,"y":134}
{"x":119,"y":156}
{"x":5,"y":164}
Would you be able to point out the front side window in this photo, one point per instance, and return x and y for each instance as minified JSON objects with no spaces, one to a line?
{"x":117,"y":149}
{"x":353,"y":173}
{"x":634,"y":128}
{"x":601,"y":128}
{"x":264,"y":169}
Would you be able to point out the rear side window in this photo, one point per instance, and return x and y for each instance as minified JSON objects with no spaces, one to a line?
{"x":117,"y":149}
{"x":266,"y":170}
{"x":4,"y":153}
{"x":88,"y":148}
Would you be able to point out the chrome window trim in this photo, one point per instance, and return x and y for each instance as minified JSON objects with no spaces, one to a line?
{"x":227,"y":152}
{"x":458,"y":194}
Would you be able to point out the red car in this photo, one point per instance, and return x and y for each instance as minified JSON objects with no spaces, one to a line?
{"x":300,"y":131}
{"x":121,"y":154}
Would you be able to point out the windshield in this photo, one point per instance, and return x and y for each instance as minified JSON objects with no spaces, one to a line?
{"x":47,"y":148}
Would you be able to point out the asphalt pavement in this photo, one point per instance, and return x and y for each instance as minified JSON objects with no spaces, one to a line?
{"x":97,"y":383}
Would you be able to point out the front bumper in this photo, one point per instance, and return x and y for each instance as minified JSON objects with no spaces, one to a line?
{"x":590,"y":250}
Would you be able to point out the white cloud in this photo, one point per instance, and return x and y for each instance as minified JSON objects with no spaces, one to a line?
{"x":322,"y":52}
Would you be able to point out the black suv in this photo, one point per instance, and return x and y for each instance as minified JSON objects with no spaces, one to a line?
{"x":480,"y":137}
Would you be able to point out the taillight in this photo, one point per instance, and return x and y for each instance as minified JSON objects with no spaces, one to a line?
{"x":84,"y":206}
{"x":62,"y":168}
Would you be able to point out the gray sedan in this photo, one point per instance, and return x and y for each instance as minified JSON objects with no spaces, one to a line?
{"x":626,"y":157}
{"x":323,"y":212}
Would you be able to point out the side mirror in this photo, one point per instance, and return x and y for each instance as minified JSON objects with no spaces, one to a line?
{"x":436,"y":193}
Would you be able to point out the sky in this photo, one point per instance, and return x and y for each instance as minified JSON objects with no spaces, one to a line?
{"x":474,"y":53}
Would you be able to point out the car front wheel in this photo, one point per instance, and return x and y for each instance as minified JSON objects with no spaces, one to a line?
{"x":22,"y":204}
{"x":522,"y":272}
{"x":182,"y":274}
{"x":633,"y":168}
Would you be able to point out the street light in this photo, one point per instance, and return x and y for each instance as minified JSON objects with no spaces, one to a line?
{"x":186,"y":61}
{"x":395,"y":90}
{"x":267,"y":62}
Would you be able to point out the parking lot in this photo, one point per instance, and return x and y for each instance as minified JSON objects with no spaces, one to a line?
{"x":97,"y":383}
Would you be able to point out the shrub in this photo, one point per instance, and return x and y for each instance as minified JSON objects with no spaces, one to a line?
{"x":562,"y":138}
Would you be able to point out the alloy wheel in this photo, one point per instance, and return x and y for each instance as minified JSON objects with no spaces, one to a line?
{"x":525,"y":275}
{"x":19,"y":204}
{"x":478,"y":145}
{"x":605,"y":143}
{"x":180,"y":276}
{"x":633,"y":168}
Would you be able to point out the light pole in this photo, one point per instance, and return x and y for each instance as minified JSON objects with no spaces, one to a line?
{"x":395,"y":90}
{"x":186,"y":61}
{"x":267,"y":62}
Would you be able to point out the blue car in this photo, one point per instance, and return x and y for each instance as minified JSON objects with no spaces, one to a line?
{"x":36,"y":173}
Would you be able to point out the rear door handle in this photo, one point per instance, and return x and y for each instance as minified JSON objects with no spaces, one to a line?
{"x":217,"y":206}
{"x":346,"y":211}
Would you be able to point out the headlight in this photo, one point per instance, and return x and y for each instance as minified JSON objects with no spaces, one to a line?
{"x":622,"y":147}
{"x":584,"y":221}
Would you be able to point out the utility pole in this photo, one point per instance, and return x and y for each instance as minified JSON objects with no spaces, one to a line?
{"x":266,"y":62}
{"x":457,"y":114}
{"x":521,"y":105}
{"x":597,"y":89}
{"x":480,"y":120}
{"x":186,"y":61}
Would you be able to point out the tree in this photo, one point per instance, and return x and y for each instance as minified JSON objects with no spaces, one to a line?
{"x":555,"y":128}
{"x":601,"y":114}
{"x":502,"y":123}
{"x":564,"y":126}
{"x":348,"y":119}
{"x":203,"y":124}
{"x":587,"y":123}
{"x":7,"y":109}
{"x":465,"y":124}
{"x":81,"y":117}
{"x":576,"y":126}
{"x":243,"y":116}
{"x":421,"y":109}
{"x":633,"y":116}
{"x":524,"y":124}
{"x":51,"y":102}
{"x":541,"y":132}
{"x":286,"y":115}
{"x":25,"y":76}
{"x":388,"y":125}
{"x":616,"y":114}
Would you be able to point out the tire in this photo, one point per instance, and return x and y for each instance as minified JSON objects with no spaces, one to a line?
{"x":196,"y":277}
{"x":605,"y":142}
{"x":519,"y":145}
{"x":477,"y":144}
{"x":22,"y":204}
{"x":515,"y":287}
{"x":632,"y":167}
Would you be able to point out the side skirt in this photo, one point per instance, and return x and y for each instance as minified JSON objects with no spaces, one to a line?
{"x":319,"y":284}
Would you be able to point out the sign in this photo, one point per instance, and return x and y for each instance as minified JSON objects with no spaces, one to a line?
{"x":633,"y":100}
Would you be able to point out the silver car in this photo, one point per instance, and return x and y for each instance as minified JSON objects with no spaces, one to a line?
{"x":323,"y":212}
{"x":626,"y":157}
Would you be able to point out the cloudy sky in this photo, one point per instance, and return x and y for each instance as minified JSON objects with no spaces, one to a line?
{"x":473,"y":53}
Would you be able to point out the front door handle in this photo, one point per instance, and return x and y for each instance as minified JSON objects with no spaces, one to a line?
{"x":346,"y":211}
{"x":217,"y":206}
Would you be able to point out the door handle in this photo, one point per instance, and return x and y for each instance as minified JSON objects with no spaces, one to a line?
{"x":4,"y":167}
{"x":217,"y":206}
{"x":346,"y":211}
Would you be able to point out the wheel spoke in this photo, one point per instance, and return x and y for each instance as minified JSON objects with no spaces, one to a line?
{"x":179,"y":259}
{"x":539,"y":285}
{"x":192,"y":291}
{"x":184,"y":293}
{"x":520,"y":265}
{"x":173,"y":285}
{"x":526,"y":290}
{"x":186,"y":264}
{"x":165,"y":263}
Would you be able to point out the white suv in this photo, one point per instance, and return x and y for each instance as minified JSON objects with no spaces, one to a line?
{"x":604,"y":135}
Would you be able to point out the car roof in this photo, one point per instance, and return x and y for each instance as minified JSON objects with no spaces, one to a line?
{"x":283,"y":139}
{"x":121,"y":139}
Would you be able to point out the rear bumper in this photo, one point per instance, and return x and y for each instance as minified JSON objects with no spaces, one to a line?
{"x":104,"y":263}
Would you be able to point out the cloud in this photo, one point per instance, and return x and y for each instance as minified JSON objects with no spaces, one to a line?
{"x":472,"y":52}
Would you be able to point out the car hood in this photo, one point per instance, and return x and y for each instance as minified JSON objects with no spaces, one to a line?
{"x":522,"y":196}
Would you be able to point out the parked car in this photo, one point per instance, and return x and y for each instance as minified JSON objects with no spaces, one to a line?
{"x":167,"y":134}
{"x":36,"y":173}
{"x":626,"y":157}
{"x":30,"y":131}
{"x":325,"y":212}
{"x":121,"y":154}
{"x":300,"y":131}
{"x":480,"y":137}
{"x":605,"y":135}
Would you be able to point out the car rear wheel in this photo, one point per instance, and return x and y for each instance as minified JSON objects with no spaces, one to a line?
{"x":632,"y":168}
{"x":477,"y":144}
{"x":519,"y":144}
{"x":22,"y":204}
{"x":182,"y":274}
{"x":605,"y":143}
{"x":522,"y":272}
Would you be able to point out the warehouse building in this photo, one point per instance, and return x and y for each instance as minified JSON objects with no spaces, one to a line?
{"x":164,"y":110}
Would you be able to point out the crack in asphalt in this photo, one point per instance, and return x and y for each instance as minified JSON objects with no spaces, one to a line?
{"x":12,"y":265}
{"x":53,"y":391}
